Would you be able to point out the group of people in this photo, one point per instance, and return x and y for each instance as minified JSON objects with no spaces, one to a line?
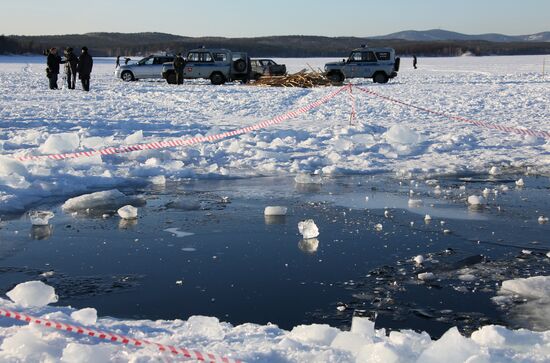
{"x":82,"y":65}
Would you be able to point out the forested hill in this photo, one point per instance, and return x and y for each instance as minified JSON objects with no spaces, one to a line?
{"x":113,"y":44}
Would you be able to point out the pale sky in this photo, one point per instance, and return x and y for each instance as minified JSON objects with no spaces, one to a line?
{"x":242,"y":18}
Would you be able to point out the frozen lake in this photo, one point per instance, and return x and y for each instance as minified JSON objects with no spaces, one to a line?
{"x":202,"y":246}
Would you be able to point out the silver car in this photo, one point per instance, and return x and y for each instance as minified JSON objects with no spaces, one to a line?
{"x":149,"y":67}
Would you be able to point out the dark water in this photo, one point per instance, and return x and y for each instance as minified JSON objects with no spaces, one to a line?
{"x":241,"y":267}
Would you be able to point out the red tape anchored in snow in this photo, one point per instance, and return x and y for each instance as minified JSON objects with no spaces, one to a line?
{"x":115,"y":338}
{"x":508,"y":129}
{"x":186,"y":142}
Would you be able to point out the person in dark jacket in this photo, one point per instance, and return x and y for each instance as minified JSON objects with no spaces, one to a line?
{"x":70,"y":67}
{"x":415,"y":61}
{"x":85,"y":64}
{"x":117,"y":64}
{"x":53,"y":63}
{"x":179,"y":65}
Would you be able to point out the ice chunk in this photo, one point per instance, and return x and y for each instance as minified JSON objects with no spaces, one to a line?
{"x":425,"y":276}
{"x":60,"y":143}
{"x":494,"y":170}
{"x":398,"y":134}
{"x":427,"y":218}
{"x":86,"y":316}
{"x":475,"y":200}
{"x":306,"y":178}
{"x":387,"y":213}
{"x":380,"y":352}
{"x":452,"y":347}
{"x":134,"y":138}
{"x":362,"y":326}
{"x":40,"y":217}
{"x":128,"y":212}
{"x":466,"y":277}
{"x":379,"y":227}
{"x":349,"y":341}
{"x":10,"y":166}
{"x":415,"y":203}
{"x":532,"y":287}
{"x":158,"y":180}
{"x":105,"y":199}
{"x":32,"y":294}
{"x":486,"y":192}
{"x":308,"y":229}
{"x":520,"y":183}
{"x":274,"y":210}
{"x":543,"y":219}
{"x":419,"y":259}
{"x":320,"y":334}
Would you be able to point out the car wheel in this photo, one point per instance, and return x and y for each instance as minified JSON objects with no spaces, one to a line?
{"x":127,"y":76}
{"x":239,"y":65}
{"x":217,"y":78}
{"x":336,"y":77}
{"x":380,"y":78}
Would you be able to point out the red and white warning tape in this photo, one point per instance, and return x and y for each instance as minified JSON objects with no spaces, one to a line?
{"x":508,"y":129}
{"x":186,"y":142}
{"x":116,"y":338}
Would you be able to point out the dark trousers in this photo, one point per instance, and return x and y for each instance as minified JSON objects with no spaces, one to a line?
{"x":53,"y":80}
{"x":179,"y":77}
{"x":71,"y":79}
{"x":85,"y":80}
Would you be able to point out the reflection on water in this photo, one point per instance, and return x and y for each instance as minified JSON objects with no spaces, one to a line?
{"x":41,"y":232}
{"x":127,"y":223}
{"x":309,"y":245}
{"x":275,"y":219}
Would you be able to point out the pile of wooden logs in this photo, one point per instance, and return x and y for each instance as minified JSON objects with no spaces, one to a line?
{"x":303,"y":79}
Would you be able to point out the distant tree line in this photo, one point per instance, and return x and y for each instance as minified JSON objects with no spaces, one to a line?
{"x":113,"y":44}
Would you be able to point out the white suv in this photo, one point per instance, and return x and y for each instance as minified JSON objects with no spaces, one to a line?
{"x":380,"y":64}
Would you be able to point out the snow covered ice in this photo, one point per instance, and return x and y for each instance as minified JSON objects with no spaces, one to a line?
{"x":40,"y":218}
{"x":273,"y":210}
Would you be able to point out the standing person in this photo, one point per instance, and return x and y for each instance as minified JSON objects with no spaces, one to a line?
{"x":85,"y":64}
{"x":179,"y":65}
{"x":71,"y":67}
{"x":117,"y":61}
{"x":414,"y":61}
{"x":53,"y":63}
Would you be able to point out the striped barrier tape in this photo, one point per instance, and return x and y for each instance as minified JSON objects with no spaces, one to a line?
{"x":508,"y":129}
{"x":116,"y":338}
{"x":186,"y":142}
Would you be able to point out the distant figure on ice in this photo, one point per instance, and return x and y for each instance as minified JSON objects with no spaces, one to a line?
{"x":117,"y":64}
{"x":414,"y":61}
{"x":70,"y":67}
{"x":179,"y":65}
{"x":52,"y":71}
{"x":126,"y":60}
{"x":85,"y":64}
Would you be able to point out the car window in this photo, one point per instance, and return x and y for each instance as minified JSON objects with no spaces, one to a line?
{"x":383,"y":56}
{"x":269,"y":62}
{"x":220,"y":57}
{"x":193,"y":57}
{"x":369,"y":57}
{"x":254,"y":63}
{"x":148,"y":60}
{"x":158,"y":60}
{"x":167,"y":59}
{"x":206,"y":57}
{"x":356,"y":57}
